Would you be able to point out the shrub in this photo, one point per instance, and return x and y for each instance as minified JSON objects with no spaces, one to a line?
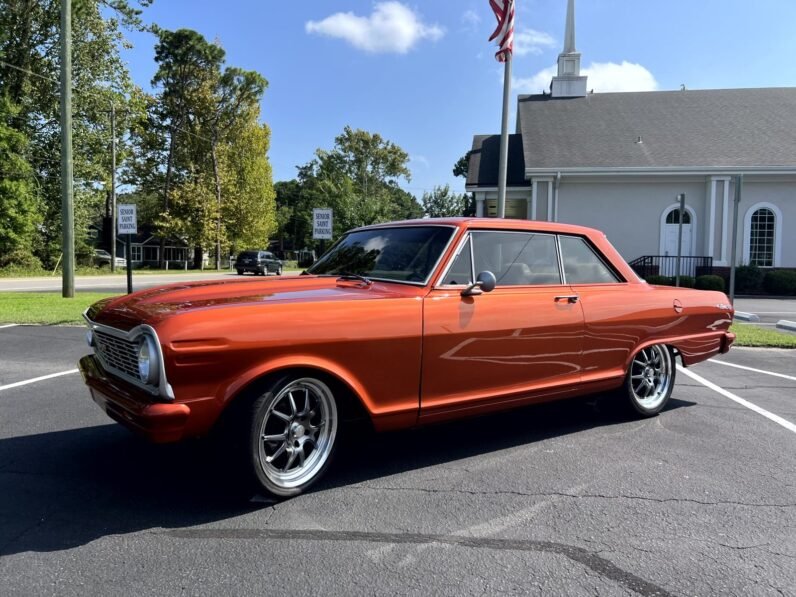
{"x":659,"y":280}
{"x":20,"y":260}
{"x":780,"y":282}
{"x":710,"y":283}
{"x":686,"y":281}
{"x":748,"y":279}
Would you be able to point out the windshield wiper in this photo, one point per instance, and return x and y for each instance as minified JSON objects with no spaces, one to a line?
{"x":350,"y":276}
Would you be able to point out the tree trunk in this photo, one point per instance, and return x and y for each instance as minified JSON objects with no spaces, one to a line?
{"x":166,"y":185}
{"x":218,"y":203}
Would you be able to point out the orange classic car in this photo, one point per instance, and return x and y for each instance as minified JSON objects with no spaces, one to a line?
{"x":404,"y":323}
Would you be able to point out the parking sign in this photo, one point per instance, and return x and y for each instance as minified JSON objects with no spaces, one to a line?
{"x":322,"y":224}
{"x":128,"y":222}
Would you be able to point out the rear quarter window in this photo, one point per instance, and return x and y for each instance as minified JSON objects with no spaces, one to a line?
{"x":582,"y":263}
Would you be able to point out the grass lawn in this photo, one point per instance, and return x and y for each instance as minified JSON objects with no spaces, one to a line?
{"x":45,"y":307}
{"x":753,"y":335}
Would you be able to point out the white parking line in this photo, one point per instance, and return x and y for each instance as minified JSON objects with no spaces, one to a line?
{"x":782,"y":375}
{"x":35,"y":379}
{"x":761,"y":411}
{"x":8,"y":325}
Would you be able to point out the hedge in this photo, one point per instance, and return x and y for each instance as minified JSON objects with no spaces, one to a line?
{"x":780,"y":282}
{"x":710,"y":283}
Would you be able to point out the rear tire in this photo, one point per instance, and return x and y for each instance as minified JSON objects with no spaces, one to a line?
{"x":292,"y":431}
{"x":650,"y":380}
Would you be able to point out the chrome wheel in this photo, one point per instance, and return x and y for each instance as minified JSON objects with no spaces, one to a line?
{"x":651,"y":377}
{"x":296,"y":435}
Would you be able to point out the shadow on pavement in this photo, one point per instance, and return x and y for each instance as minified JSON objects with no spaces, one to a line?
{"x":64,"y":489}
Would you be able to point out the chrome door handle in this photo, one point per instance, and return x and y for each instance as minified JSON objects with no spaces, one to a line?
{"x":570,"y":298}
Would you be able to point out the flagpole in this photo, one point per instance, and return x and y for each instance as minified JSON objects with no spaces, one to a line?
{"x":504,"y":139}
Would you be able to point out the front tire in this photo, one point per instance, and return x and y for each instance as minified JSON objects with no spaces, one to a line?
{"x":650,"y":380}
{"x":292,"y":435}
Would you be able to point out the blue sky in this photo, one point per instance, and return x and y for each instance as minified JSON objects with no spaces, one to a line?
{"x":423,"y":75}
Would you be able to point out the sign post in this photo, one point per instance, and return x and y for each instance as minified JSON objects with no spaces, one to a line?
{"x":128,"y":224}
{"x":322,"y":226}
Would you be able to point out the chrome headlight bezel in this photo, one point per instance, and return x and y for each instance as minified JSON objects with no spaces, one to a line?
{"x":148,"y":360}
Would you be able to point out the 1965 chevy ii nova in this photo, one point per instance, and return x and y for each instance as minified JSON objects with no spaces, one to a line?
{"x":407,"y":323}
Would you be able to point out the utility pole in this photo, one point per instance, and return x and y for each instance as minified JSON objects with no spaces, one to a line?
{"x":113,"y":187}
{"x":67,"y":207}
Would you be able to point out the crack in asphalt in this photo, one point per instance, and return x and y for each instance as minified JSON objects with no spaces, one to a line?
{"x":576,"y":496}
{"x":591,"y":560}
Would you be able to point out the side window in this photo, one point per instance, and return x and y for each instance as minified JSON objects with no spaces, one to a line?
{"x":461,"y":271}
{"x":582,"y":265}
{"x":517,"y":258}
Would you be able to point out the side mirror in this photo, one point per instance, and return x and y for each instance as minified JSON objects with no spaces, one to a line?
{"x":485,"y":282}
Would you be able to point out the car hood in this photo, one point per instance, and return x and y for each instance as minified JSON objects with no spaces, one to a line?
{"x":153,"y":305}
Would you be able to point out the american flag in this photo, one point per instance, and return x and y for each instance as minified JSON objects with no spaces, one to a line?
{"x":504,"y":33}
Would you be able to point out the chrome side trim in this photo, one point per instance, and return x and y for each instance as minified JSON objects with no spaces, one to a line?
{"x":164,"y":389}
{"x":449,"y":265}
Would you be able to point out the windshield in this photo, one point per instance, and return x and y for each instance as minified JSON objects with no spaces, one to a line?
{"x":405,"y":254}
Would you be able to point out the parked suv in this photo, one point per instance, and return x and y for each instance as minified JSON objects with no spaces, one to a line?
{"x":258,"y":262}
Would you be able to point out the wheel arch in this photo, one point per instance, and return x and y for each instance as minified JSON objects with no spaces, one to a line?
{"x":357,"y":402}
{"x":670,"y":344}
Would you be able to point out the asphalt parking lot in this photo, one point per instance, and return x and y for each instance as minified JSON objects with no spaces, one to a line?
{"x":569,"y":498}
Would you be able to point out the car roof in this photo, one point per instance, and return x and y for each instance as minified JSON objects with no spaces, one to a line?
{"x":491,"y":223}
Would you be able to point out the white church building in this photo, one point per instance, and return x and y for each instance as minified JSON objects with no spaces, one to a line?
{"x":617,"y":161}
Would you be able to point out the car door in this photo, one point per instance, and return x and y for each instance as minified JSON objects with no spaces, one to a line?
{"x":617,"y":315}
{"x":519,"y":342}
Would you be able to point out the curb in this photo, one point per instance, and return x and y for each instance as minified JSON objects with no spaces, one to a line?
{"x":746,"y":316}
{"x":784,"y":324}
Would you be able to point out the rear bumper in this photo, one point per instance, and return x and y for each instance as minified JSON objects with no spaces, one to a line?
{"x":159,"y":422}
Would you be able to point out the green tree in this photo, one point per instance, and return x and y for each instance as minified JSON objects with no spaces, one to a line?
{"x":462,"y":165}
{"x":188,"y":66}
{"x":442,"y":203}
{"x":249,"y":209}
{"x":236,"y":100}
{"x":207,"y":145}
{"x":358,"y":179}
{"x":19,"y":214}
{"x":29,"y":43}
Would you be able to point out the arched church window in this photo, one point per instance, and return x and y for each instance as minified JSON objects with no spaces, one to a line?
{"x":761,"y":237}
{"x":673,"y":217}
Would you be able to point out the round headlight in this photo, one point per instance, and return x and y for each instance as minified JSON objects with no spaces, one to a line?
{"x":148,"y":366}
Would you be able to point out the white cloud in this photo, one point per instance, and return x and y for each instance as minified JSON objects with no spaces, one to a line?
{"x":420,"y":159}
{"x":471,"y":19}
{"x":391,"y":27}
{"x":530,"y":41}
{"x":604,"y":77}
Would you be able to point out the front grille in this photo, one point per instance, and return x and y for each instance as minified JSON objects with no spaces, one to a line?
{"x":117,"y":353}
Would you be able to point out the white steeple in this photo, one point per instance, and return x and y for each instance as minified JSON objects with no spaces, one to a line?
{"x":568,"y":82}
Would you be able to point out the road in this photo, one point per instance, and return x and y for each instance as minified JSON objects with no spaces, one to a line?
{"x":770,"y":310}
{"x":115,"y":283}
{"x":561,"y":499}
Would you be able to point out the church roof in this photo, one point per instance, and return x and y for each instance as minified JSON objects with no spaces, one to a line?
{"x":485,"y":156}
{"x":721,"y":128}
